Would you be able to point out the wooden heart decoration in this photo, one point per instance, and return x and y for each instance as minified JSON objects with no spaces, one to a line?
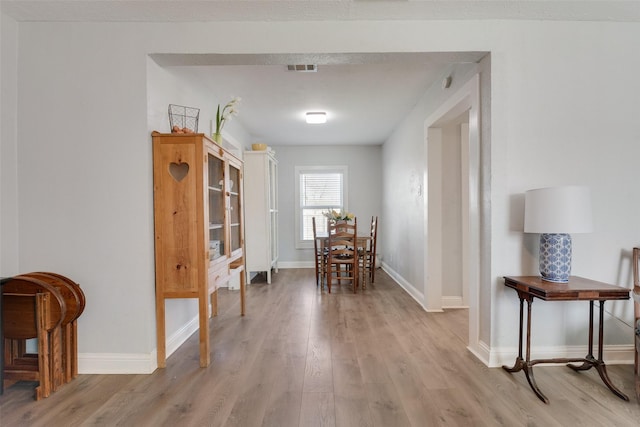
{"x":178,"y":170}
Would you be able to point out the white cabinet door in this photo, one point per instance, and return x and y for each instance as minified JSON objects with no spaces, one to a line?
{"x":261,"y":212}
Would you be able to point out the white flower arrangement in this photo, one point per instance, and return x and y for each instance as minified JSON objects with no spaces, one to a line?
{"x":342,"y":215}
{"x":226,"y":113}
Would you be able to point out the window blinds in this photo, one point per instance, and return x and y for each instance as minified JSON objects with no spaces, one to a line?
{"x":321,"y":190}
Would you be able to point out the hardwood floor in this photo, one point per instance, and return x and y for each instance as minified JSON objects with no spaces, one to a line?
{"x":305,"y":358}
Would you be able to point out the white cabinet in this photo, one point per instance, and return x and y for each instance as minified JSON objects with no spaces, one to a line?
{"x":261,"y":212}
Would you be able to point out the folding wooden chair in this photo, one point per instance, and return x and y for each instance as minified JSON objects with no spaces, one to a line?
{"x":33,"y":309}
{"x":75,"y":302}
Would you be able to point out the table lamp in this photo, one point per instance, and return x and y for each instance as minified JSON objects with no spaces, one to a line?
{"x":555,"y":212}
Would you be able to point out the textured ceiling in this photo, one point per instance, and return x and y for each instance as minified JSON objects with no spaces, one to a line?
{"x":365,"y":96}
{"x":360,"y":92}
{"x":314,"y":10}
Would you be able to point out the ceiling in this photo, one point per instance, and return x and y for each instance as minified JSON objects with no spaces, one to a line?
{"x":365,"y":95}
{"x":317,"y":10}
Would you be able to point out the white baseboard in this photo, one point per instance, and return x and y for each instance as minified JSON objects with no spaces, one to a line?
{"x":483,"y":353}
{"x":453,"y":302}
{"x":296,"y":264}
{"x":132,"y":363}
{"x":140,"y":363}
{"x":116,"y":363}
{"x":408,"y":287}
{"x":613,"y":354}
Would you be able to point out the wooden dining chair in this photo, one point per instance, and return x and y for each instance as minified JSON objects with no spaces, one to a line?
{"x":636,"y":323}
{"x":320,"y":255}
{"x":342,"y":256}
{"x":367,"y":254}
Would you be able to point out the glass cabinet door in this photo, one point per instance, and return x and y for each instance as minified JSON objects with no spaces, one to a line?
{"x":235,"y":208}
{"x":215,"y":188}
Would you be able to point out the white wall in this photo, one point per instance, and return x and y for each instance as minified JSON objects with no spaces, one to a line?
{"x":364,"y":196}
{"x":8,"y":149}
{"x":566,"y":121}
{"x":509,"y":160}
{"x":451,"y":215}
{"x":404,"y":160}
{"x":563,"y":111}
{"x":164,"y":87}
{"x":167,"y":85}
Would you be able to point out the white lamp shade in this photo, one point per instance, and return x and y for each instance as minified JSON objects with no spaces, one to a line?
{"x":558,"y":210}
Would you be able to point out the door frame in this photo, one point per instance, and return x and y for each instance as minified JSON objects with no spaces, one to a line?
{"x":467,"y":98}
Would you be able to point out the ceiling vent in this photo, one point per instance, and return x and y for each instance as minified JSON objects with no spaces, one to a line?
{"x":303,"y":68}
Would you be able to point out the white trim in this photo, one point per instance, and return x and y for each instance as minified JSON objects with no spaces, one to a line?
{"x":124,"y":363}
{"x":296,"y":264}
{"x":408,"y":287}
{"x":116,"y":363}
{"x":467,"y":98}
{"x":133,"y":363}
{"x":453,"y":302}
{"x":613,"y":354}
{"x":482,"y":352}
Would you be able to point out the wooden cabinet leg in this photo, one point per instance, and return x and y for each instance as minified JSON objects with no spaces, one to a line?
{"x":160,"y":333}
{"x":204,"y":331}
{"x":242,"y":293}
{"x":214,"y":303}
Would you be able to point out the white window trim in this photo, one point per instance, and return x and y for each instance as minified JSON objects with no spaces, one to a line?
{"x":308,"y":244}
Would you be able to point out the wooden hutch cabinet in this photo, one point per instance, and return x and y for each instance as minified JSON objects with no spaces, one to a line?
{"x":199,"y":234}
{"x":261,"y":210}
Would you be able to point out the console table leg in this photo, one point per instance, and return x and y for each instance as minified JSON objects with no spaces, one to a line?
{"x":600,"y":329}
{"x":602,"y":370}
{"x":589,"y":359}
{"x":528,"y":372}
{"x":517,"y":366}
{"x":521,"y":364}
{"x":592,"y":362}
{"x":599,"y":364}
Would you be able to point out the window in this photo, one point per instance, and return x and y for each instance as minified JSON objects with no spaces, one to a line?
{"x":318,"y":188}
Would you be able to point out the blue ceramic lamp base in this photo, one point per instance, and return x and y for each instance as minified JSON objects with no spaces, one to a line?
{"x":555,"y":257}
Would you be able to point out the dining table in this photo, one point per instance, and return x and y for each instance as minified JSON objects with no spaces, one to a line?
{"x":362,"y":241}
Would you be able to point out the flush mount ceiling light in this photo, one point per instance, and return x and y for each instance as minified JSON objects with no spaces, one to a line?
{"x":316,"y":117}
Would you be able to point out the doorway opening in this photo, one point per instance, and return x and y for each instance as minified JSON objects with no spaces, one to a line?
{"x":452,"y":211}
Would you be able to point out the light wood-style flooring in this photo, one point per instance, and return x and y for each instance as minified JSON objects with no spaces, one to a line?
{"x":301,"y":357}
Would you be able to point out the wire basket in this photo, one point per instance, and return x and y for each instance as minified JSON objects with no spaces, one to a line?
{"x":183,"y":117}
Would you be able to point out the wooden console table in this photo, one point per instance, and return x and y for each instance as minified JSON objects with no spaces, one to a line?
{"x":578,"y":289}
